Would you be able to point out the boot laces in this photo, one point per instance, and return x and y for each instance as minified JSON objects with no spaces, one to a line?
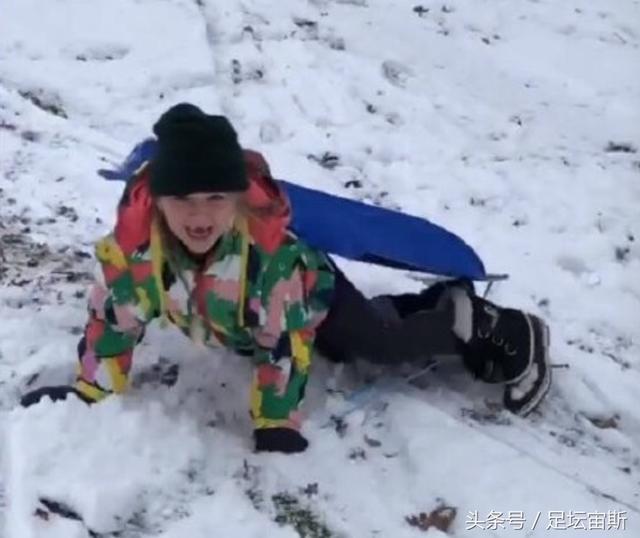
{"x":486,"y":329}
{"x":492,"y":332}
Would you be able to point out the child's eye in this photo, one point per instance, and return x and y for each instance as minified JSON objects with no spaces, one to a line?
{"x":216,"y":197}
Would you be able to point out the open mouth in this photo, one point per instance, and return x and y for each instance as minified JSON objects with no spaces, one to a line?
{"x":199,"y":233}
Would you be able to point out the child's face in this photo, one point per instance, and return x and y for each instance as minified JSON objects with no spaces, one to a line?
{"x":199,"y":219}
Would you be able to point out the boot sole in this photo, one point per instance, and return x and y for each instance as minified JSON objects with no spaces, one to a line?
{"x":526,"y":371}
{"x":542,"y":332}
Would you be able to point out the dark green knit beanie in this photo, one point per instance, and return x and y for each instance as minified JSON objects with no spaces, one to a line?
{"x":196,"y":152}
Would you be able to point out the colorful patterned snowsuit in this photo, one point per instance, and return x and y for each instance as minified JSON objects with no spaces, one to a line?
{"x":261,"y":293}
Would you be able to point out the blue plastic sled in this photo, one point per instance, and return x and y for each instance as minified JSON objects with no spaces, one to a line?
{"x":358,"y":231}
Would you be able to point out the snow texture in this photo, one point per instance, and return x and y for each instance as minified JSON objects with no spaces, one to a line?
{"x":513,"y":123}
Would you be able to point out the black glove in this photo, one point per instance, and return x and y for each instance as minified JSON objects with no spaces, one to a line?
{"x":55,"y":393}
{"x":284,"y":440}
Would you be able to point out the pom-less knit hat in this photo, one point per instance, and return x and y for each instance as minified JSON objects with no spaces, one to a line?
{"x":196,"y":152}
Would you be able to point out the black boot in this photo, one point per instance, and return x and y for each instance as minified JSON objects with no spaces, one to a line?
{"x":505,"y":345}
{"x":501,"y":339}
{"x":523,"y":396}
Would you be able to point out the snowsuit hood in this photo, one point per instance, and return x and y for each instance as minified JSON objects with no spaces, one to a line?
{"x":269,"y":208}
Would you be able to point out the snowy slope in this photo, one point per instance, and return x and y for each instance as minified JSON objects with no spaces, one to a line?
{"x":514,"y":123}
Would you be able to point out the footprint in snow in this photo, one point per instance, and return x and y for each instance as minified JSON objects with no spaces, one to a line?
{"x":102,"y":53}
{"x":310,"y":31}
{"x":396,"y":73}
{"x":359,"y":3}
{"x":308,"y":28}
{"x":270,"y":132}
{"x":572,"y":264}
{"x":240,"y":73}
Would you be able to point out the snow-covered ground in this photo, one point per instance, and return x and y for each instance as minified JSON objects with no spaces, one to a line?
{"x":515,"y":123}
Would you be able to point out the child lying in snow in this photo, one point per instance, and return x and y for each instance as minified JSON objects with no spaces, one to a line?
{"x":201,"y":241}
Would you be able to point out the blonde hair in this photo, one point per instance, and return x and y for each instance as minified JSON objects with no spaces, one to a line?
{"x":242,"y":209}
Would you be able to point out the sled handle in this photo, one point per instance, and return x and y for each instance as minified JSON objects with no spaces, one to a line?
{"x":491,"y":279}
{"x":495,"y":277}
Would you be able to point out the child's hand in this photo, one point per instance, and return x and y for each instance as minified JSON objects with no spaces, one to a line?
{"x":285,"y":440}
{"x":54,"y":393}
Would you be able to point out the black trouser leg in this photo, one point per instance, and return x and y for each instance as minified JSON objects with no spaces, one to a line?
{"x":355,"y":328}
